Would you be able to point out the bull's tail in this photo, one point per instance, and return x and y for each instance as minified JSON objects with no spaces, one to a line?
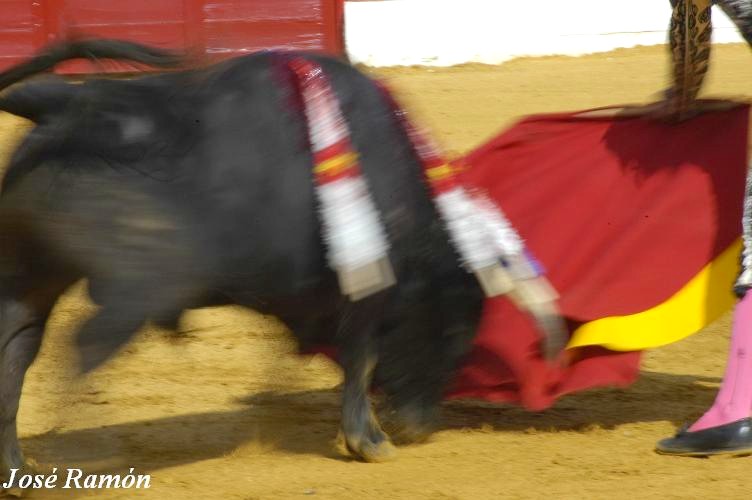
{"x":89,"y":49}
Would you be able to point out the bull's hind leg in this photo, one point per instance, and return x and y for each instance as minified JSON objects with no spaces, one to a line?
{"x":106,"y":332}
{"x":125,"y":309}
{"x":21,"y":329}
{"x":358,"y":353}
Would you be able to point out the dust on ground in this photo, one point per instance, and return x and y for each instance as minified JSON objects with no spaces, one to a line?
{"x":230,"y":413}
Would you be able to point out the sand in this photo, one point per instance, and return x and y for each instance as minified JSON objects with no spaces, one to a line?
{"x":229,"y":412}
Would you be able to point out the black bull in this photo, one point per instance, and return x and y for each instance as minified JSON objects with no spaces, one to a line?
{"x":194,"y":188}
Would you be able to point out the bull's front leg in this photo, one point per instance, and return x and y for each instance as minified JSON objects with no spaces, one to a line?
{"x":358,"y":355}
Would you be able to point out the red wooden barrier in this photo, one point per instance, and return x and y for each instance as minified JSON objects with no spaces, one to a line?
{"x":218,"y":28}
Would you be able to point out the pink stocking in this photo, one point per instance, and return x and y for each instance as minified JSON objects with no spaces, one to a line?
{"x":734,"y":400}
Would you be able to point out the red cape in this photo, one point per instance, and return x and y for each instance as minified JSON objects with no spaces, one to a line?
{"x":622,"y":213}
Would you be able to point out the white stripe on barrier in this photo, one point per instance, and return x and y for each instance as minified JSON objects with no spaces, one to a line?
{"x":447,"y":32}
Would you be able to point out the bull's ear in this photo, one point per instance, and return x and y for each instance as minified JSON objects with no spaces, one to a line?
{"x":39,"y":99}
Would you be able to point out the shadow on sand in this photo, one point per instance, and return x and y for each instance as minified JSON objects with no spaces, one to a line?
{"x":307,"y":423}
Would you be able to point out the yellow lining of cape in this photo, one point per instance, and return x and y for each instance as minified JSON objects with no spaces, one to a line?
{"x":699,"y":302}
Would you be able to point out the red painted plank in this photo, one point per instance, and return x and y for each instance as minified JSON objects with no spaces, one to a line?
{"x":218,"y":28}
{"x":264,"y":10}
{"x":16,"y":14}
{"x":334,"y":27}
{"x":233,"y":36}
{"x":193,"y":16}
{"x":16,"y":43}
{"x":98,"y":12}
{"x":165,"y":35}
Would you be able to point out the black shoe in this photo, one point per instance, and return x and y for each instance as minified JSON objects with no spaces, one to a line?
{"x":729,"y":439}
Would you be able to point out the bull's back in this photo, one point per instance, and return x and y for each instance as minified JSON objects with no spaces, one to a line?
{"x":255,"y":167}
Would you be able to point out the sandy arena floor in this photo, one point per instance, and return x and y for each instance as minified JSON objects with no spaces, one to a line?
{"x":230,"y":413}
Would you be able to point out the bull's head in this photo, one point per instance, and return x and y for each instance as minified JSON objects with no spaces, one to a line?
{"x":420,"y":350}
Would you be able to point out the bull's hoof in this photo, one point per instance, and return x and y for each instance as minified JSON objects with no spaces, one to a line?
{"x":408,"y":426}
{"x":368,"y":451}
{"x":407,"y":434}
{"x":30,"y":467}
{"x":12,"y":492}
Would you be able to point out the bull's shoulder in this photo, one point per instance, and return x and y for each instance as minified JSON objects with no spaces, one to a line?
{"x":37,"y":99}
